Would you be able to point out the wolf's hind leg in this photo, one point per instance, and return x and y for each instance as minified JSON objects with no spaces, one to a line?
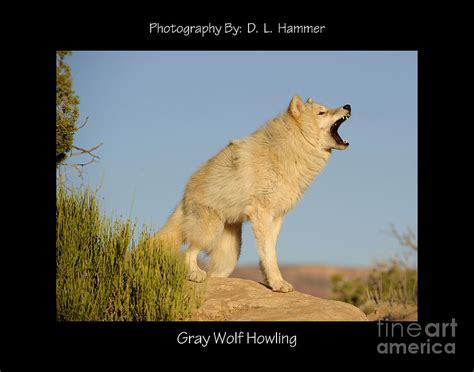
{"x":224,"y":254}
{"x":202,"y":228}
{"x":195,"y":274}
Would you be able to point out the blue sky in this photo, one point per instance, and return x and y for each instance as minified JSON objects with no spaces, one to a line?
{"x":162,"y":114}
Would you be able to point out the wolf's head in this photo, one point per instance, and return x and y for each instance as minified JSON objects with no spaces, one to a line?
{"x":319,"y":124}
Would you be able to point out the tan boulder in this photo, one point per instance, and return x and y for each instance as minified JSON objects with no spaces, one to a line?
{"x":245,"y":300}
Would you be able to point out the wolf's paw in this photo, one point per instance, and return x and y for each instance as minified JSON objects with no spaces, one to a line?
{"x":280,"y":286}
{"x":197,"y":275}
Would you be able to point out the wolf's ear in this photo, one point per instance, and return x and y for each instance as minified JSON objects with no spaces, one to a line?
{"x":296,"y":107}
{"x":310,"y":100}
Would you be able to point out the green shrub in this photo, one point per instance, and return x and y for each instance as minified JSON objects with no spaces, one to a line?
{"x":103,"y":274}
{"x":394,"y":282}
{"x":350,"y":291}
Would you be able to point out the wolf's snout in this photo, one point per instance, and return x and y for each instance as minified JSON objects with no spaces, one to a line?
{"x":347,"y":107}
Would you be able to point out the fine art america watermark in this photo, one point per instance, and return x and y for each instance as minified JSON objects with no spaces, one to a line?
{"x":430,"y":338}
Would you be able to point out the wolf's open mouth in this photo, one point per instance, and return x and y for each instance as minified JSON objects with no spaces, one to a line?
{"x":334,"y":129}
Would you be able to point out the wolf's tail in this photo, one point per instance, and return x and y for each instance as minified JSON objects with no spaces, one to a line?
{"x":171,"y":234}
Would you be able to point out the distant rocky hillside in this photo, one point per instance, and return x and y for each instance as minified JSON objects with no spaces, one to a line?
{"x":310,"y":279}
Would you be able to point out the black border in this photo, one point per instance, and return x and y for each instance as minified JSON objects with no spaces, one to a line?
{"x":441,"y":294}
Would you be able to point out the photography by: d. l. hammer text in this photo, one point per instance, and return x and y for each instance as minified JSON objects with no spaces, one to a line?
{"x":234,"y":29}
{"x":236,"y":338}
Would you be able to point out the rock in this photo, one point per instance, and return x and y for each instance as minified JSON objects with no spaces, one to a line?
{"x":241,"y":300}
{"x":394,"y":312}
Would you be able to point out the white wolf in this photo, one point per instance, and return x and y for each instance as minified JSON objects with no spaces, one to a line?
{"x":259,"y":179}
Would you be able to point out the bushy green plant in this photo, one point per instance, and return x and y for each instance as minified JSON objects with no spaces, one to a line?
{"x":103,"y":274}
{"x":394,"y":282}
{"x":351,"y":291}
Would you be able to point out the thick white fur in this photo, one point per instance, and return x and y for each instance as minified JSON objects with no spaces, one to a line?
{"x":259,"y":179}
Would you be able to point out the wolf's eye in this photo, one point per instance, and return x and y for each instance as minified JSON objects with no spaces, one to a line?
{"x":321,"y":113}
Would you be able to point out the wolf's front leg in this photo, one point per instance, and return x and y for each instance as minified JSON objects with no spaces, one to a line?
{"x":266,"y":228}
